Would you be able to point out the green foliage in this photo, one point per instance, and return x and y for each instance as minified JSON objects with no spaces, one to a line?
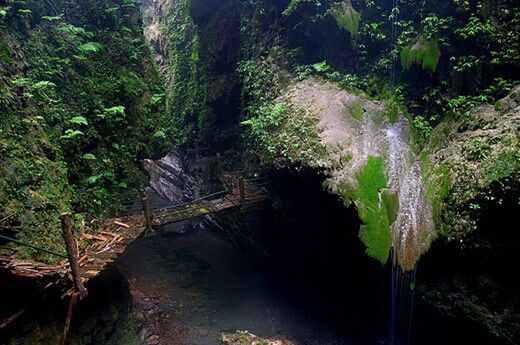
{"x":187,"y":88}
{"x":349,"y":82}
{"x":291,"y":7}
{"x":321,"y":67}
{"x":44,"y":84}
{"x":465,"y":63}
{"x":89,"y":157}
{"x":294,"y":4}
{"x":91,"y":47}
{"x":423,"y":52}
{"x":475,"y":27}
{"x":391,"y":111}
{"x":71,"y":134}
{"x":5,"y":54}
{"x":76,"y":118}
{"x":507,"y":163}
{"x":422,"y":124}
{"x":438,"y":188}
{"x":53,"y":18}
{"x":373,"y":212}
{"x":346,"y":16}
{"x":477,"y":149}
{"x":262,"y":78}
{"x":160,"y":134}
{"x":267,"y":119}
{"x":79,"y":120}
{"x":113,"y":112}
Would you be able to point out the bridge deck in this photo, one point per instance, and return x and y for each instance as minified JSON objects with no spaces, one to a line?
{"x":100,"y":245}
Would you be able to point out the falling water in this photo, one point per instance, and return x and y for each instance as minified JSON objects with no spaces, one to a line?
{"x":401,"y":304}
{"x":414,"y":214}
{"x":404,"y":172}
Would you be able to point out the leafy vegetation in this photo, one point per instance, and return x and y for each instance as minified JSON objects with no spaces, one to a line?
{"x":186,"y":80}
{"x":461,"y":48}
{"x":78,"y":112}
{"x":425,"y":53}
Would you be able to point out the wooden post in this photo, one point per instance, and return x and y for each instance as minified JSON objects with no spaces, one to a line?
{"x":66,"y":327}
{"x":147,"y":211}
{"x":241,"y":185}
{"x":72,"y":252}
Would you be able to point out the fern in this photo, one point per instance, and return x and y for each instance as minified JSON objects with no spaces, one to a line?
{"x":79,"y":120}
{"x":114,"y":112}
{"x":89,"y":157}
{"x":423,"y":52}
{"x":321,"y":67}
{"x":346,"y":16}
{"x":44,"y":84}
{"x":91,"y":47}
{"x":53,"y":18}
{"x":291,"y":7}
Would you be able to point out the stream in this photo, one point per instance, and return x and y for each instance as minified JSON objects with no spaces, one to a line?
{"x":195,"y":285}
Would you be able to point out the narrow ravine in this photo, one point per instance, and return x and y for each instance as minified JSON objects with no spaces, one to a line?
{"x":332,"y":172}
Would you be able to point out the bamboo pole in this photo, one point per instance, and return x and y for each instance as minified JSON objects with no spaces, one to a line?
{"x":147,"y":211}
{"x":72,"y":253}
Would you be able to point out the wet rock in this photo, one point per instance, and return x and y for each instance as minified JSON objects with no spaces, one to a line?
{"x":173,"y":178}
{"x":246,"y":338}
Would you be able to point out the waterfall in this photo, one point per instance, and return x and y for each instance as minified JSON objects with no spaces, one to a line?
{"x":402,"y":293}
{"x":393,"y":37}
{"x":405,"y":180}
{"x":414,"y":215}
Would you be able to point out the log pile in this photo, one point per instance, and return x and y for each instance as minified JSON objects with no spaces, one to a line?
{"x":97,"y":246}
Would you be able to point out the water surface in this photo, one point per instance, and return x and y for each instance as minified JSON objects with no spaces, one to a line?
{"x":203,"y":285}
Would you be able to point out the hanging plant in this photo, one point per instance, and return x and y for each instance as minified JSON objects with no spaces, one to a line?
{"x":423,"y":52}
{"x":346,"y":16}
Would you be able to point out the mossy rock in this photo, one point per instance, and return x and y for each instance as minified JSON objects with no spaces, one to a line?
{"x":464,"y":159}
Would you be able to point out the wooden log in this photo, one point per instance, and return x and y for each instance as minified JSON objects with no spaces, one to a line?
{"x":12,"y":318}
{"x":72,"y":252}
{"x":126,"y":226}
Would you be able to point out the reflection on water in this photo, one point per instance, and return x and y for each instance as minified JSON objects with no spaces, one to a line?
{"x":197,"y":285}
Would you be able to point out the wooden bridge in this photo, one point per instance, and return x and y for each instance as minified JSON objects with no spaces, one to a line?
{"x":99,"y":244}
